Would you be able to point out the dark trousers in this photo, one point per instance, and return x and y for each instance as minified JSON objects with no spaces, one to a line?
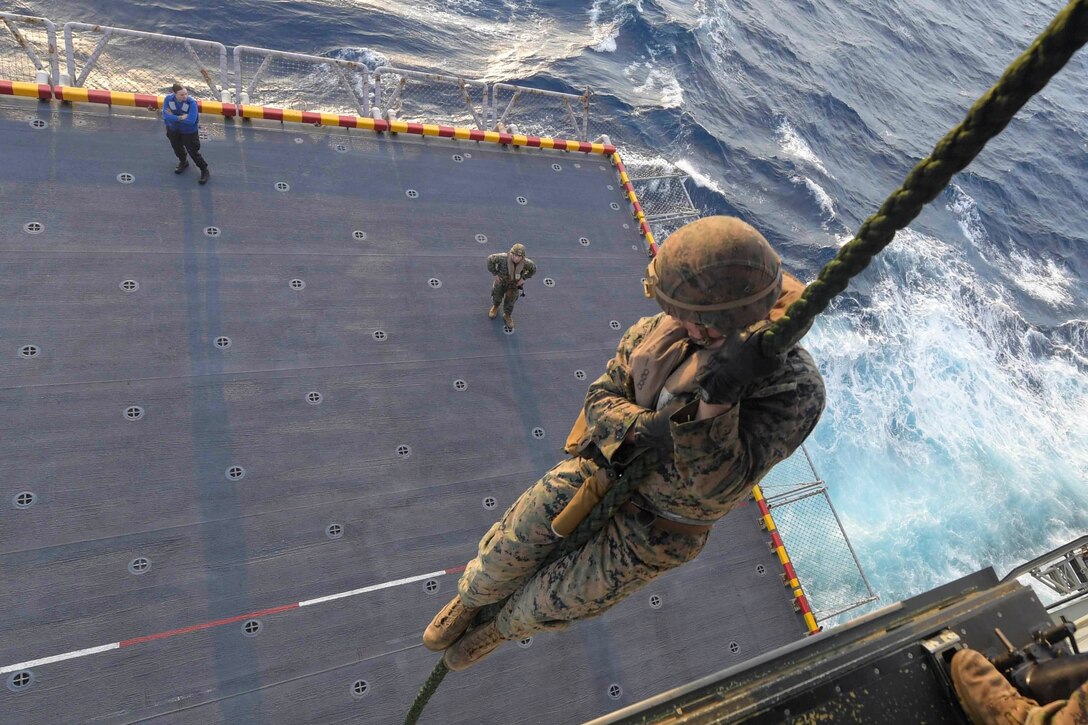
{"x":182,"y":142}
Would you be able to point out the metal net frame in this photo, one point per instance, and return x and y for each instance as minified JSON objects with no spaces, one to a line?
{"x":822,"y":555}
{"x":28,"y":49}
{"x":662,"y":191}
{"x":662,"y":227}
{"x":117,"y":59}
{"x":664,"y":197}
{"x":297,"y":81}
{"x":420,"y":97}
{"x":538,"y":112}
{"x":793,"y":474}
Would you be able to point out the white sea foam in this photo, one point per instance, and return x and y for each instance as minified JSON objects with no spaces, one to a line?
{"x":699,"y":177}
{"x":367,"y":56}
{"x":607,"y":42}
{"x":1040,"y":277}
{"x":652,"y":80}
{"x":1043,"y":279}
{"x":796,"y":147}
{"x":827,"y":206}
{"x":966,"y":212}
{"x":666,"y":85}
{"x":951,"y":422}
{"x":604,"y":34}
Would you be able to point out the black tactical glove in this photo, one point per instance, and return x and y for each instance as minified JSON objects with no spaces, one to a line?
{"x":736,"y":364}
{"x":652,"y":427}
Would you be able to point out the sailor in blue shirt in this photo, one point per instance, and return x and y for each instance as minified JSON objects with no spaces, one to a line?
{"x":179,"y":111}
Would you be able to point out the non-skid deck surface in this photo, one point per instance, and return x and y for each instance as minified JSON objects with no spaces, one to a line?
{"x":431,"y":421}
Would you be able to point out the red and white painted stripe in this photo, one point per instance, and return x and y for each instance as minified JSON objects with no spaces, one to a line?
{"x":75,"y":654}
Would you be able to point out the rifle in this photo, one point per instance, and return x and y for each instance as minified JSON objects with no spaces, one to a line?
{"x":1044,"y":669}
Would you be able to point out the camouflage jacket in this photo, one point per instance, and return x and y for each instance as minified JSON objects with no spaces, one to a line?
{"x":714,"y":461}
{"x":496,"y":264}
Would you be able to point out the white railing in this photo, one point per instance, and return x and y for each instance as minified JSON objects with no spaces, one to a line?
{"x":119,"y":59}
{"x":295,"y":80}
{"x":519,"y":109}
{"x":411,"y":95}
{"x":28,"y":49}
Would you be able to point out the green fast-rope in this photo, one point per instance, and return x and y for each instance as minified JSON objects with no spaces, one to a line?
{"x":1025,"y":77}
{"x":433,"y":681}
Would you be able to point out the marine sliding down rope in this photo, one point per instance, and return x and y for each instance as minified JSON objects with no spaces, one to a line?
{"x":1025,"y":77}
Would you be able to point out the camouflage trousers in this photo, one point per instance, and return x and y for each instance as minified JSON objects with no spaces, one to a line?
{"x":618,"y":560}
{"x":1073,"y":711}
{"x":505,"y":296}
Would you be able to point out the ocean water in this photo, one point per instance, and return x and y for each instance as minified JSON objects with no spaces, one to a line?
{"x":956,"y":431}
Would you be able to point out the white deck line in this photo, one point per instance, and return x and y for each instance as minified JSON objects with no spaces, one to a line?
{"x":59,"y":658}
{"x":372,"y":588}
{"x":319,"y":600}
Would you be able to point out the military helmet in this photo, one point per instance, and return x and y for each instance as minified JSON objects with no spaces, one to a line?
{"x":718,"y":272}
{"x":518,"y":249}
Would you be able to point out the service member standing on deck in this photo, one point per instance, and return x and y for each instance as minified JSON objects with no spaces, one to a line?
{"x":182,"y":128}
{"x":689,"y":408}
{"x":511,"y":269}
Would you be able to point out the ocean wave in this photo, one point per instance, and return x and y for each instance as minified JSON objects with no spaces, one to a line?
{"x":963,"y":206}
{"x":1040,"y":277}
{"x":827,"y":206}
{"x":796,"y":147}
{"x":963,"y":415}
{"x":603,"y":33}
{"x":655,"y":81}
{"x":1043,"y":279}
{"x":369,"y":57}
{"x":698,"y":177}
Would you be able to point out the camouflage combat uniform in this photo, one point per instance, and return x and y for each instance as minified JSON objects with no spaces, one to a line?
{"x":710,"y":470}
{"x":1073,"y":711}
{"x":506,"y":292}
{"x":988,"y":697}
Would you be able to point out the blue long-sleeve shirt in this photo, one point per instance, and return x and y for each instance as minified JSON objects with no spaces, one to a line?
{"x":180,"y":115}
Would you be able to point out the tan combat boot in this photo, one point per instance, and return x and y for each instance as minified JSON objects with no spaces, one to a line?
{"x":509,"y":320}
{"x":986,"y":696}
{"x":492,"y":312}
{"x":473,"y":647}
{"x":448,"y":625}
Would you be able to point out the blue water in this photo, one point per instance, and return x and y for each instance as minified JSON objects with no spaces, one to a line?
{"x":956,"y":431}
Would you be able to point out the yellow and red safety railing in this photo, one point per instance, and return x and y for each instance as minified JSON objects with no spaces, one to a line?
{"x":640,"y":217}
{"x":74,"y":94}
{"x":27,"y":90}
{"x":789,"y":577}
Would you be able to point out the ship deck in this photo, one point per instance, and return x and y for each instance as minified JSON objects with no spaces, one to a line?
{"x":184,"y":493}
